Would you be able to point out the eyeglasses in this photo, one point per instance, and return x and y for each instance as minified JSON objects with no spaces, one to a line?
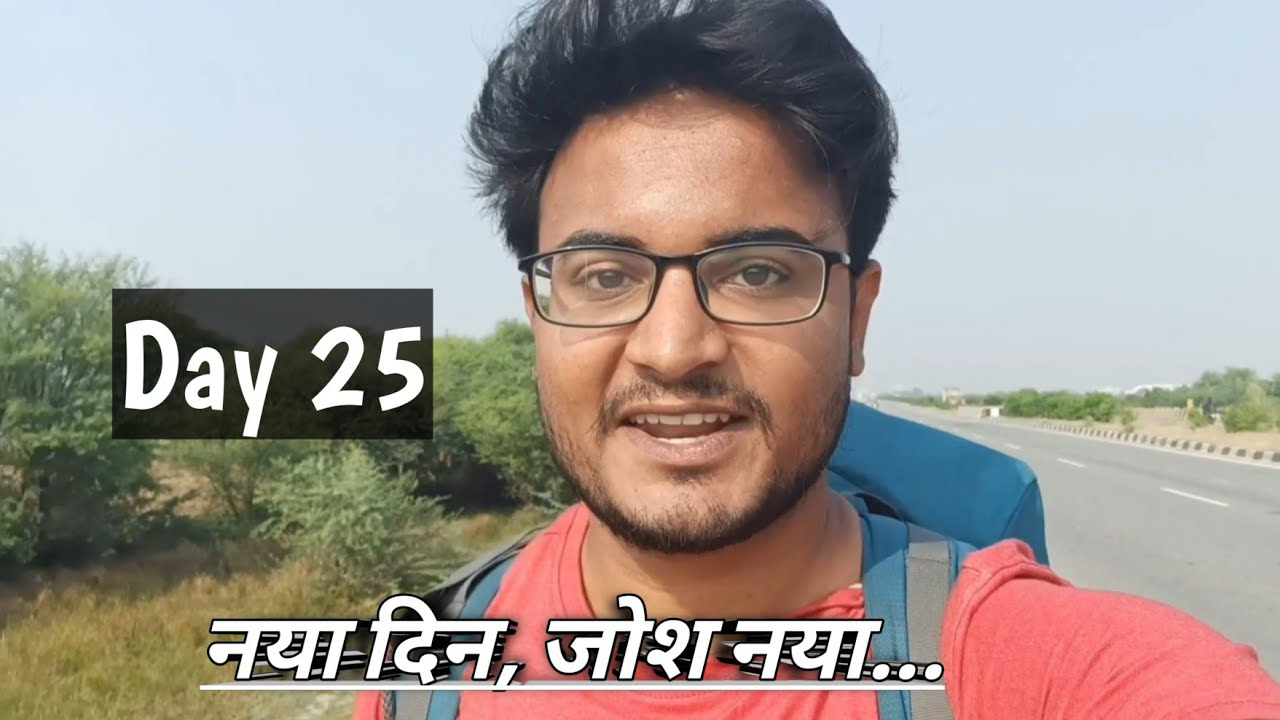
{"x":751,"y":283}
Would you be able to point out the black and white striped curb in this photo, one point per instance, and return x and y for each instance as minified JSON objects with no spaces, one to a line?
{"x":1172,"y":444}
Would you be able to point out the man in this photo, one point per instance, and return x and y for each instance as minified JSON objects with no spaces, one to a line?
{"x":694,"y":402}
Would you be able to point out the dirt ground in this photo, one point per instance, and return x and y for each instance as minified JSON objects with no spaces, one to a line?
{"x":1172,"y":424}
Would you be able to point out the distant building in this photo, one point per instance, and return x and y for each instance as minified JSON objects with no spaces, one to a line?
{"x":1155,"y":386}
{"x":952,"y":396}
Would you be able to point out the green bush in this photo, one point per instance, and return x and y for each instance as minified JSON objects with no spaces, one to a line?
{"x":19,"y":522}
{"x":364,"y":526}
{"x":1128,"y":419}
{"x":236,"y":469}
{"x":95,"y":501}
{"x":1062,"y":405}
{"x":1023,"y":403}
{"x":1248,"y":417}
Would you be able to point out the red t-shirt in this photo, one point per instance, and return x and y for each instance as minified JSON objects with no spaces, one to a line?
{"x":1018,"y":643}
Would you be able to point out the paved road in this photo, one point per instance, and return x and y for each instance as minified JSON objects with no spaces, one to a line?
{"x":1200,"y":534}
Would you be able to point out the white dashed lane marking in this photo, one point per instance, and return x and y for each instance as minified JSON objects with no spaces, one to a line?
{"x":1197,"y":498}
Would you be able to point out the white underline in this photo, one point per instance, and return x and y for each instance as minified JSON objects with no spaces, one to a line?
{"x":1189,"y":496}
{"x":1071,"y":462}
{"x":580,"y":686}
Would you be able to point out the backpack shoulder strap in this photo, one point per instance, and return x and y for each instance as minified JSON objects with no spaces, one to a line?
{"x":932,"y":564}
{"x":909,"y":572}
{"x":459,"y":587}
{"x":466,"y":593}
{"x":907,"y":579}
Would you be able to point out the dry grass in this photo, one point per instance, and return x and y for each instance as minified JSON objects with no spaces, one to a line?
{"x":137,"y":575}
{"x":83,"y":653}
{"x":132,"y":645}
{"x":482,"y":530}
{"x":191,"y":489}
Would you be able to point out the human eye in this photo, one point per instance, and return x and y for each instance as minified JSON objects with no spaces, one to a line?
{"x":752,"y":275}
{"x":605,"y":279}
{"x":758,"y":274}
{"x":604,"y":276}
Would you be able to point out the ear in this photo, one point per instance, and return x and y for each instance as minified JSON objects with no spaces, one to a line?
{"x":529,"y":311}
{"x":867,"y":289}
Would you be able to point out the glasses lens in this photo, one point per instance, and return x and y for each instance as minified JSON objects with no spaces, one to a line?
{"x":754,"y":284}
{"x":593,"y":287}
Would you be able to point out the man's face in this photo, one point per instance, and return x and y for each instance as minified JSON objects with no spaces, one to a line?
{"x":674,"y":174}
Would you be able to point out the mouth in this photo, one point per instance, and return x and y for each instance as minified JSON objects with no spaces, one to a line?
{"x":685,"y":426}
{"x":684,"y":437}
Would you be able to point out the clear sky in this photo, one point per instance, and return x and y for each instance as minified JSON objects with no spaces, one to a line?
{"x":1090,"y":191}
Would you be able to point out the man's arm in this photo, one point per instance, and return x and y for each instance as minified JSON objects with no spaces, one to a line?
{"x":1025,"y":644}
{"x":368,"y":706}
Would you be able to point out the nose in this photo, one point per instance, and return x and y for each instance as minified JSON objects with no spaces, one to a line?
{"x":676,"y":339}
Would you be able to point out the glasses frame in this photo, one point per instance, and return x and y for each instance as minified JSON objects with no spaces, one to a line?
{"x":691,"y":262}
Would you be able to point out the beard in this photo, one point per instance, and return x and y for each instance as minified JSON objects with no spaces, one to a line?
{"x":677,"y":530}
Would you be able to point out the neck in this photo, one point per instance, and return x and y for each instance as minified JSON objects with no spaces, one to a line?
{"x":799,"y":559}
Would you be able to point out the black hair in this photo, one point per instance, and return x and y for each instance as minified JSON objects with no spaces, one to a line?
{"x":570,"y":59}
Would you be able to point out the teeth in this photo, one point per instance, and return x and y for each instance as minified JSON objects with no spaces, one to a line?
{"x":686,"y":419}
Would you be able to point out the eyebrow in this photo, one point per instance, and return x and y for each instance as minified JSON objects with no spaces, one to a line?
{"x":765,"y":233}
{"x":595,"y":237}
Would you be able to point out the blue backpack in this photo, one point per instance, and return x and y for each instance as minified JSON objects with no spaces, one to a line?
{"x":927,"y":499}
{"x":956,"y":487}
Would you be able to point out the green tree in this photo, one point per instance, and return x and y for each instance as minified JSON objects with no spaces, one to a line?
{"x":1100,"y":407}
{"x":1162,"y":397}
{"x":500,"y":417}
{"x":451,"y":464}
{"x":1229,"y":387}
{"x":447,"y":465}
{"x":1062,"y":405}
{"x":1024,"y":403}
{"x":68,"y":491}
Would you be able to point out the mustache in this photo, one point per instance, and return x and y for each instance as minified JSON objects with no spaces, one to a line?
{"x":701,"y":387}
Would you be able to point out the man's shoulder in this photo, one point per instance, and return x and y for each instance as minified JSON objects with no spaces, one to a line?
{"x":552,"y":535}
{"x":1005,"y":585}
{"x":1008,"y":559}
{"x":536,"y":563}
{"x":1014,"y":629}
